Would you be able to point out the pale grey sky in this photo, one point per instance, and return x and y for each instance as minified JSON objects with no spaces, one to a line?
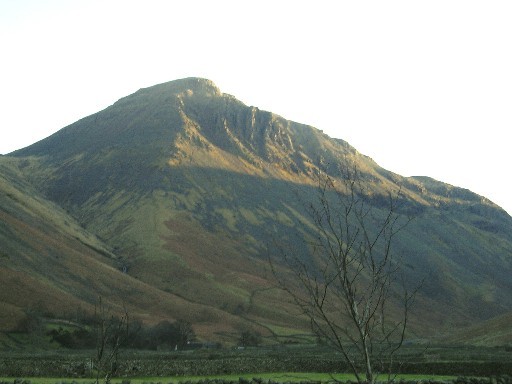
{"x":422,"y":87}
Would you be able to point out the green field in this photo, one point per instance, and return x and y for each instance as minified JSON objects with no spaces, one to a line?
{"x":306,"y":363}
{"x":283,"y":377}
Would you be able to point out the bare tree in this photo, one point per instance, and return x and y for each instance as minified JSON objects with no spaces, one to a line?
{"x":352,"y":290}
{"x":111,"y":334}
{"x":185,"y":333}
{"x":249,"y":338}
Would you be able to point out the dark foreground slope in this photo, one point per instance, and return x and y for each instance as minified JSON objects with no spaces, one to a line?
{"x":188,"y":187}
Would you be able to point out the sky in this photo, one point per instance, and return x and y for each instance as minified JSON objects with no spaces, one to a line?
{"x":422,"y":87}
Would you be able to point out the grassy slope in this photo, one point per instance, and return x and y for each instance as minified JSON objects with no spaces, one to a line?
{"x":494,"y":332}
{"x":52,"y":265}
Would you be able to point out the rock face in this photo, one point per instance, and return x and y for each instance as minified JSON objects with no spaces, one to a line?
{"x":187,"y":187}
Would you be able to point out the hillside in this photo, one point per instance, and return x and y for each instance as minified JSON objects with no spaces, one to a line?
{"x":494,"y":332}
{"x":50,"y":266}
{"x":188,"y":188}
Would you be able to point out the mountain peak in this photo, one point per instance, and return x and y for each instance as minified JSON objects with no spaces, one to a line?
{"x":189,"y":86}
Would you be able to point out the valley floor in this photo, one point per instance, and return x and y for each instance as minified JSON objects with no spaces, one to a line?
{"x":265,"y":362}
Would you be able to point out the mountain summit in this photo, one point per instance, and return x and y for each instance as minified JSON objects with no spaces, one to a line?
{"x":186,"y":187}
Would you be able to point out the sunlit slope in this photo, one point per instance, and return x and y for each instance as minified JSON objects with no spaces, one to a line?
{"x":190,"y":189}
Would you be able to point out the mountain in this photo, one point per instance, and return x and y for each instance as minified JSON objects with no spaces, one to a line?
{"x":185,"y":190}
{"x":51,"y":266}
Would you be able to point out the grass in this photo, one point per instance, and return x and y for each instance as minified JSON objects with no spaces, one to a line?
{"x":280,"y":377}
{"x":286,"y":377}
{"x":284,"y":364}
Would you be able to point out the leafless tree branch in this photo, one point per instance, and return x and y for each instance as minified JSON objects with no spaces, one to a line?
{"x":348,"y":293}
